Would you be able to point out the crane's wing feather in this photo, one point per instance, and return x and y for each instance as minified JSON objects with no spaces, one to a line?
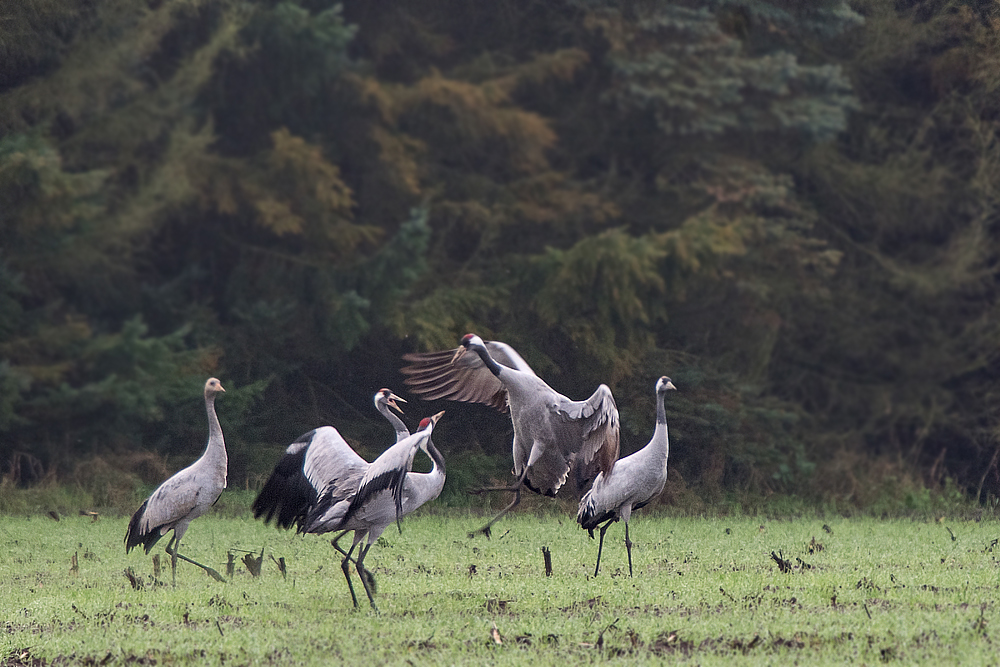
{"x":387,"y":473}
{"x":468,"y":380}
{"x":329,"y":458}
{"x":316,"y":461}
{"x":328,"y":512}
{"x":547,"y":475}
{"x":595,"y":510}
{"x":171,"y":502}
{"x":597,"y":447}
{"x":134,"y":535}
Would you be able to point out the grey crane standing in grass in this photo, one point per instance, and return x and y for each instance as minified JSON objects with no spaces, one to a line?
{"x":185,"y":496}
{"x":552,"y":434}
{"x":322,"y":485}
{"x":634,"y":482}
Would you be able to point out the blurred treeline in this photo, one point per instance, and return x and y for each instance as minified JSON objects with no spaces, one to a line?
{"x":788,"y":206}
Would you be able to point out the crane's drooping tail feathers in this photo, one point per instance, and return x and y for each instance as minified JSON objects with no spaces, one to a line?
{"x":134,"y":536}
{"x":323,"y":504}
{"x":589,"y":518}
{"x":287,"y":491}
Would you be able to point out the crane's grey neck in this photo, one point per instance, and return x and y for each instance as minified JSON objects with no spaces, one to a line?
{"x":435,"y":455}
{"x":215,"y":439}
{"x":484,"y":354}
{"x":397,"y":423}
{"x":660,"y":443}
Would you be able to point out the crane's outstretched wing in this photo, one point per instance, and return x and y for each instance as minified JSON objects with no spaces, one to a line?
{"x":598,"y":446}
{"x":468,"y":380}
{"x":315,"y":462}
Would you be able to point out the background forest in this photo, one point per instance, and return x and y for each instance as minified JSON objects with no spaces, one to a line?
{"x":788,"y":206}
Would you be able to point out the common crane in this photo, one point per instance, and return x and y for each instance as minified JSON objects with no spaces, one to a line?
{"x":185,"y":496}
{"x":552,"y":434}
{"x":634,"y":482}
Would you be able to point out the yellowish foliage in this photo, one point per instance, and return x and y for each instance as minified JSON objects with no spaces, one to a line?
{"x":60,"y":195}
{"x":598,"y":291}
{"x":220,"y":193}
{"x":376,"y":95}
{"x":305,"y":164}
{"x":277,"y":216}
{"x":555,"y":199}
{"x":431,"y":322}
{"x":398,"y":153}
{"x":477,"y":116}
{"x":703,"y":239}
{"x":173,"y":181}
{"x":561,"y":65}
{"x":295,"y":191}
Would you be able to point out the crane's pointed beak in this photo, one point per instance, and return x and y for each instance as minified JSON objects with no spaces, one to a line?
{"x":459,"y":352}
{"x":221,"y":388}
{"x":391,"y":401}
{"x":438,"y":416}
{"x":670,"y":385}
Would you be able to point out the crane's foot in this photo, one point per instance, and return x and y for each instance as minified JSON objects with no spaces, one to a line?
{"x":215,"y":575}
{"x":209,"y":571}
{"x":371,"y":594}
{"x":516,"y":489}
{"x":485,"y":530}
{"x":371,"y":580}
{"x":171,"y":549}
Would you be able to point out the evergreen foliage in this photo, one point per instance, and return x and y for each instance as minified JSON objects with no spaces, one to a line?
{"x":787,"y":206}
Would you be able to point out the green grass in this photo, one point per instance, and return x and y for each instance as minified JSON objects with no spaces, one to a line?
{"x":705,"y":591}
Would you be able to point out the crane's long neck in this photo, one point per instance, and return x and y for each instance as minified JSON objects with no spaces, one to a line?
{"x":484,"y":354}
{"x":216,"y":449}
{"x":397,"y":423}
{"x":436,"y":458}
{"x":660,"y":440}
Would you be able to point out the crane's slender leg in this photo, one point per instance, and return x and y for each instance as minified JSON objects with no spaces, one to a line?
{"x":361,"y":569}
{"x":600,"y":545}
{"x":628,"y":548}
{"x":173,"y":558}
{"x":208,"y":570}
{"x":516,"y":488}
{"x":367,"y":572}
{"x":345,"y":565}
{"x":171,"y":549}
{"x":486,"y":489}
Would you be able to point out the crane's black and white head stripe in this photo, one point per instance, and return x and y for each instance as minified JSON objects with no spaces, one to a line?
{"x":664,"y":384}
{"x":468,"y":342}
{"x":389,"y":398}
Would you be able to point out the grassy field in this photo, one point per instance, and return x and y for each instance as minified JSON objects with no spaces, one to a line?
{"x":705,"y":591}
